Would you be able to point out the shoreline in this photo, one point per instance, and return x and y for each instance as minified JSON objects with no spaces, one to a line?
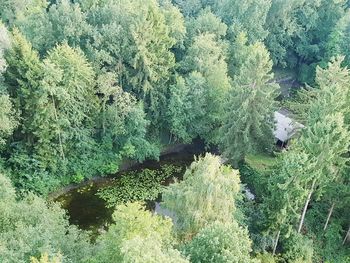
{"x":125,"y":166}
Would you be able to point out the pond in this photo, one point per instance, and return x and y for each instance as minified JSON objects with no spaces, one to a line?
{"x":90,"y":212}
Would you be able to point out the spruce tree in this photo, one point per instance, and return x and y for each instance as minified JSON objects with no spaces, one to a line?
{"x":249,"y":117}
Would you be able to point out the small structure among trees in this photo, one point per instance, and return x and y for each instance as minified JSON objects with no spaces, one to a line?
{"x":285,"y":127}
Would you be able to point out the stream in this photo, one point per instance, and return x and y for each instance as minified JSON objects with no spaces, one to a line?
{"x":89,"y":212}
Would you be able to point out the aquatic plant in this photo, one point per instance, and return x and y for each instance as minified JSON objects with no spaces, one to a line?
{"x":144,"y":185}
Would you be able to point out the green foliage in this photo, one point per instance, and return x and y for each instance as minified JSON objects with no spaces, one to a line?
{"x":14,"y":10}
{"x":249,"y":16}
{"x":304,"y":34}
{"x":248,"y":121}
{"x":330,"y":248}
{"x":144,"y":185}
{"x":286,"y":192}
{"x":175,"y":21}
{"x":135,"y":24}
{"x":317,"y":18}
{"x":4,"y":45}
{"x":297,"y":249}
{"x":190,"y":7}
{"x":86,"y":84}
{"x":205,"y":195}
{"x":313,"y":162}
{"x":338,"y":42}
{"x":123,"y":122}
{"x":137,"y":236}
{"x":8,"y":120}
{"x":206,"y":22}
{"x":45,"y":259}
{"x":220,"y":243}
{"x":266,"y":258}
{"x":22,"y":77}
{"x":180,"y":113}
{"x":328,"y":243}
{"x":57,"y":105}
{"x":31,"y":225}
{"x":283,"y":26}
{"x":208,"y":84}
{"x":257,"y":180}
{"x":61,"y":22}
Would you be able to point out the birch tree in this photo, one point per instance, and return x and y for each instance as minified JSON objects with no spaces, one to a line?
{"x":206,"y":195}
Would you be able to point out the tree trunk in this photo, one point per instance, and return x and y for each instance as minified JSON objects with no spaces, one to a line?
{"x":276,"y":242}
{"x":346,"y":236}
{"x":59,"y":130}
{"x":170,"y":138}
{"x":306,"y":205}
{"x":104,"y":118}
{"x":329,"y":216}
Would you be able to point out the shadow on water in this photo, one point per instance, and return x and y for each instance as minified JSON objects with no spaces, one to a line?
{"x":89,"y":212}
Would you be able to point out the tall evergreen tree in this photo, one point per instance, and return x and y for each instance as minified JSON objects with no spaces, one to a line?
{"x":319,"y":154}
{"x":68,"y":103}
{"x":326,"y":137}
{"x":286,"y":193}
{"x":248,"y":121}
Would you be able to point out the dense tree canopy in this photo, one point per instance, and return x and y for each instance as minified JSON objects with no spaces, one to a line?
{"x":31,"y":226}
{"x":89,"y":87}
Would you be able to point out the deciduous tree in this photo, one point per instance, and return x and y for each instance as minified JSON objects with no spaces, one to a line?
{"x":220,"y":243}
{"x":30,"y":226}
{"x":138,"y":236}
{"x":207,"y":194}
{"x":205,"y":69}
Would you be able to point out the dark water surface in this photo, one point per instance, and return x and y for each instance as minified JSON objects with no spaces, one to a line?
{"x":88,"y":211}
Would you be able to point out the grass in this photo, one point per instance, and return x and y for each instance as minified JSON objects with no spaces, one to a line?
{"x":260,"y":162}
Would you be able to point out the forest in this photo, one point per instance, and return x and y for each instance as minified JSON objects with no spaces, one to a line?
{"x":89,"y":86}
